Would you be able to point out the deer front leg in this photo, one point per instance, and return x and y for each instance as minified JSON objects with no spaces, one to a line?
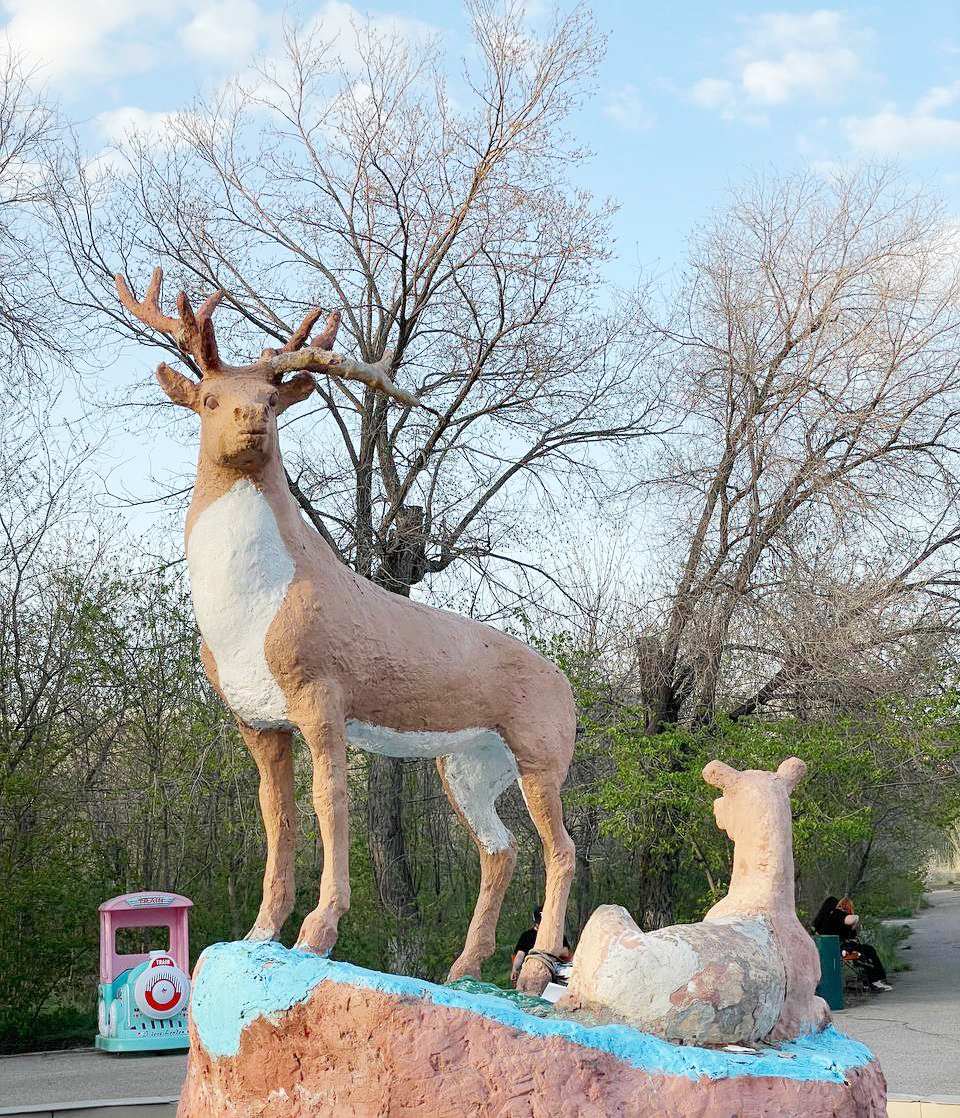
{"x":272,"y":751}
{"x":319,"y":713}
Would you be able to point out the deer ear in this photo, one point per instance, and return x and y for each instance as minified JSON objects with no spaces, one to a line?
{"x":294,"y":390}
{"x":719,"y":775}
{"x":791,"y":772}
{"x":179,"y":388}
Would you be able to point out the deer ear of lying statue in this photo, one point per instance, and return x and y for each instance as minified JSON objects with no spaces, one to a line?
{"x":179,"y":388}
{"x":719,"y":775}
{"x":791,"y":772}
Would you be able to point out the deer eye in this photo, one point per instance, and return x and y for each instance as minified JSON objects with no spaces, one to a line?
{"x":210,"y":402}
{"x":273,"y":398}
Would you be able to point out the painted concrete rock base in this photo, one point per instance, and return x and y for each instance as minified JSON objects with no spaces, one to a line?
{"x":279,"y":1033}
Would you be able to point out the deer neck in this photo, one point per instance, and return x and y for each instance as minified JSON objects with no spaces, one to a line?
{"x":762,"y":872}
{"x":215,"y":481}
{"x":241,"y":540}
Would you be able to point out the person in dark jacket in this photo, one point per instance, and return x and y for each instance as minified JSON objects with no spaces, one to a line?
{"x":525,"y":944}
{"x":837,"y":918}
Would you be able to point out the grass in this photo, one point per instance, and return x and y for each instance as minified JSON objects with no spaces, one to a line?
{"x":68,"y":1027}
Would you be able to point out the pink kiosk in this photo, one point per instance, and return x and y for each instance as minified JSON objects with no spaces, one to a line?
{"x":144,"y":997}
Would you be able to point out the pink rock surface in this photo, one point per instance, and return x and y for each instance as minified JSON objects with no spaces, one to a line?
{"x":366,"y":1053}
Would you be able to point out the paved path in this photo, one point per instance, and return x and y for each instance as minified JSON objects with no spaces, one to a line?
{"x":915,"y":1028}
{"x":87,"y":1073}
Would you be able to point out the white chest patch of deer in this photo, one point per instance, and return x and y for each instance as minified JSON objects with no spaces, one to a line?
{"x":240,"y":571}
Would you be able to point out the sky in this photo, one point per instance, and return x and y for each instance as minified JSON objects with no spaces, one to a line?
{"x":690,"y":96}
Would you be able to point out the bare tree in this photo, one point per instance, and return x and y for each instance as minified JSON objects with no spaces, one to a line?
{"x":29,"y":132}
{"x":444,"y":226}
{"x":811,"y":490}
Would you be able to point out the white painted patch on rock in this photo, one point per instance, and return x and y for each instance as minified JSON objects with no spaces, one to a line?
{"x":240,"y":571}
{"x":641,"y":976}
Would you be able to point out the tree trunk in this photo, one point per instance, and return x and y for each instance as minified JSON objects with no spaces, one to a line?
{"x":657,"y":893}
{"x":402,"y":566}
{"x":391,"y":866}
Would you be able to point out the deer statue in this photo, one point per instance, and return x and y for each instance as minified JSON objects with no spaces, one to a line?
{"x":294,"y":640}
{"x":749,"y":971}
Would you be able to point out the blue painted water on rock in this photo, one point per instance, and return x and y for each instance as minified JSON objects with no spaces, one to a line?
{"x":240,"y":982}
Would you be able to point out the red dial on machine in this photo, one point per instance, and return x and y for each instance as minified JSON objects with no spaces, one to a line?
{"x":162,"y":990}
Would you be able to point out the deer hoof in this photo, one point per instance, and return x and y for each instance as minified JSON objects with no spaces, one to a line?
{"x":317,"y":936}
{"x":534,"y":977}
{"x":260,"y":934}
{"x":464,"y":968}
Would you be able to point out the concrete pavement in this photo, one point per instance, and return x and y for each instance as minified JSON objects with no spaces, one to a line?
{"x":914,"y":1030}
{"x":83,"y":1074}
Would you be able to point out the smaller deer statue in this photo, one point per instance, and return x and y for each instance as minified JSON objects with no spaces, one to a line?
{"x":294,"y":640}
{"x":749,"y":971}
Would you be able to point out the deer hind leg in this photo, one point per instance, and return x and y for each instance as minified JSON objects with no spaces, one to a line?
{"x":273,"y":753}
{"x":542,"y":797}
{"x":318,"y":711}
{"x":472,"y":782}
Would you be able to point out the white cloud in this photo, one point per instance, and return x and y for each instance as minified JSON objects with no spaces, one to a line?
{"x":938,"y":98}
{"x":626,"y":108}
{"x":918,"y":131}
{"x":340,"y":27}
{"x":337,"y":22}
{"x":117,"y":124}
{"x":714,"y":93}
{"x":226,"y":30}
{"x":104,"y":39}
{"x":784,"y":57}
{"x":907,"y":134}
{"x":68,"y":39}
{"x":797,"y":72}
{"x":116,"y":127}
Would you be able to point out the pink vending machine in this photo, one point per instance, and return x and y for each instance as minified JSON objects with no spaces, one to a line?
{"x":144,"y":997}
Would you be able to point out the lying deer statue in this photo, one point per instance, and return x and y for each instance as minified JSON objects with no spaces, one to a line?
{"x":292,"y":639}
{"x":748,"y":972}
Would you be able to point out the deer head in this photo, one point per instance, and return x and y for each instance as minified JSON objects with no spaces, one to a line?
{"x":750,"y":795}
{"x":238,"y":405}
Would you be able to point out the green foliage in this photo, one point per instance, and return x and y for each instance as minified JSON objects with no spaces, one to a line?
{"x":120,"y":770}
{"x":882,"y":787}
{"x":48,"y":947}
{"x":68,"y":1027}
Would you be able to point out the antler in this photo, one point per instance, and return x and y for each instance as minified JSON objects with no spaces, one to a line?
{"x":193,"y":333}
{"x":194,"y":336}
{"x":319,"y":359}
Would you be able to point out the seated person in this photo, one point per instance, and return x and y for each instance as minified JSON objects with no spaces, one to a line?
{"x":837,"y":918}
{"x":525,"y":943}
